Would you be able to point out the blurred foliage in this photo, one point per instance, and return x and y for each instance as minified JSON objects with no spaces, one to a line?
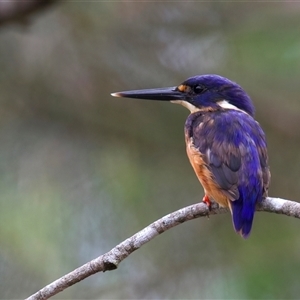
{"x":81,"y":171}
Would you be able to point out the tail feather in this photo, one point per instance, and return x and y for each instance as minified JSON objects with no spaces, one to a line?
{"x":242,"y":216}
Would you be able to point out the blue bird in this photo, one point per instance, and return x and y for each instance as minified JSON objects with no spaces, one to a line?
{"x":225,"y":145}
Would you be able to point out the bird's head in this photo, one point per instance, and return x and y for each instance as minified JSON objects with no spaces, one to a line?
{"x":199,"y":92}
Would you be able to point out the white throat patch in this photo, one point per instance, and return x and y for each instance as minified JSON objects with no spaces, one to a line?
{"x":192,"y":108}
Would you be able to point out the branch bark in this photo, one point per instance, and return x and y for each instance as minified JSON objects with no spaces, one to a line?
{"x":19,"y":11}
{"x":110,"y":260}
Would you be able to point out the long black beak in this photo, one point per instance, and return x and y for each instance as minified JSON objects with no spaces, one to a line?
{"x":162,"y":94}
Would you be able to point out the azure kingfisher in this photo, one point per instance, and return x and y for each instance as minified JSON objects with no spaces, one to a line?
{"x":225,"y":145}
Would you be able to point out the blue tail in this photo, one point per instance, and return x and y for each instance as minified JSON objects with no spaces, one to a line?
{"x":243,"y":209}
{"x":242,"y":216}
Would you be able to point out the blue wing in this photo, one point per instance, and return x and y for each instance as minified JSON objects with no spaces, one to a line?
{"x":234,"y":149}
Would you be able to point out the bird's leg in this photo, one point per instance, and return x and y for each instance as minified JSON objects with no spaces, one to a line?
{"x":207,"y":201}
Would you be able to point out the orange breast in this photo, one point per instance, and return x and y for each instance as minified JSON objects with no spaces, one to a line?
{"x":204,"y":175}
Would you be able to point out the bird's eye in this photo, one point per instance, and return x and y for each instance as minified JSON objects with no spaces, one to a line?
{"x":198,"y":89}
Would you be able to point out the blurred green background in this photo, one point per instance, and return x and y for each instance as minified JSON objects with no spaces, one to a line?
{"x":81,"y":171}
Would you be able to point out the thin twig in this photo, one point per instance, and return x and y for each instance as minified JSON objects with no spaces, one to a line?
{"x":110,"y":260}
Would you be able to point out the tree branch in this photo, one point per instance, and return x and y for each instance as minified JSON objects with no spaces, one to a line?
{"x":19,"y":11}
{"x":110,"y":260}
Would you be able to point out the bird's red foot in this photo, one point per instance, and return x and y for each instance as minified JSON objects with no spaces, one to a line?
{"x":207,"y":201}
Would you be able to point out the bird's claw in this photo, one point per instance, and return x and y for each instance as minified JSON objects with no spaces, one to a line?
{"x":207,"y":202}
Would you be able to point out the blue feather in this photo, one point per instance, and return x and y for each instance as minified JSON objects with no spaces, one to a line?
{"x":242,"y":216}
{"x":250,"y":190}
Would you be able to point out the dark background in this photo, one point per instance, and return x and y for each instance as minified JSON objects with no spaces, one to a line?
{"x":80,"y":171}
